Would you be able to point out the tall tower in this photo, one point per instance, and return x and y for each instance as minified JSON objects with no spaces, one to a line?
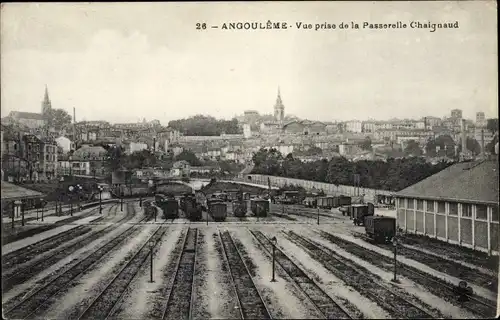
{"x":46,"y":105}
{"x":279,"y":108}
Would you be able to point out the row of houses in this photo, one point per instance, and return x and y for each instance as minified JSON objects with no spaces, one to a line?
{"x":27,"y":156}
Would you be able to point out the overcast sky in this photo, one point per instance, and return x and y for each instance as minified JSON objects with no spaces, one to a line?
{"x":127,"y":61}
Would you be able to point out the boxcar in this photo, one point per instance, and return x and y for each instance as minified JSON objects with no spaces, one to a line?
{"x":344,"y":201}
{"x":380,"y":228}
{"x":259,"y":207}
{"x":170,"y":208}
{"x":358,"y":212}
{"x":239,"y":208}
{"x":326,"y":202}
{"x":218,"y":210}
{"x":191,"y":208}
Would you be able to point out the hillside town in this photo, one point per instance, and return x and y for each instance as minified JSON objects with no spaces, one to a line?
{"x":42,"y":146}
{"x":158,"y":165}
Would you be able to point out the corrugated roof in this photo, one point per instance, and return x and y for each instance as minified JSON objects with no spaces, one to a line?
{"x":465,"y":182}
{"x":13,"y":192}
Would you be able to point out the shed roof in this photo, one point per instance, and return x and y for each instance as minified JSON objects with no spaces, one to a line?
{"x":14,"y":192}
{"x":474,"y":182}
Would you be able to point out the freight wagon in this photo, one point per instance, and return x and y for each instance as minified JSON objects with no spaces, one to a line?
{"x":259,"y":207}
{"x":344,"y":201}
{"x":218,"y":210}
{"x":239,"y":208}
{"x":191,"y":208}
{"x":380,"y":228}
{"x":326,"y":202}
{"x":358,"y":212}
{"x":168,"y":205}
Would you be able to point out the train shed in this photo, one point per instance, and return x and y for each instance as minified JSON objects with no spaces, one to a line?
{"x":12,"y":197}
{"x":458,"y":205}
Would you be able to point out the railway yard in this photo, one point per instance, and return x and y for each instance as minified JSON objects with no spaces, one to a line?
{"x":101,"y":267}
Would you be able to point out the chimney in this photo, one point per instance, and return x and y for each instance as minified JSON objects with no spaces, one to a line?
{"x":464,"y":138}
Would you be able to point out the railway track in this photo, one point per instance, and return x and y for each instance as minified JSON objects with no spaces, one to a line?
{"x":24,"y":254}
{"x":363,"y":281}
{"x":181,"y":297}
{"x":42,"y":228}
{"x":28,"y":307}
{"x":300,"y":212}
{"x":446,"y":266}
{"x":103,"y":305}
{"x":453,"y":251}
{"x":436,"y":286}
{"x":19,"y":275}
{"x":324,"y":304}
{"x":250,"y":302}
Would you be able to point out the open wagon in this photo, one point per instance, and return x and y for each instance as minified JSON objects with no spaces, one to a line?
{"x":218,"y":210}
{"x":259,"y":207}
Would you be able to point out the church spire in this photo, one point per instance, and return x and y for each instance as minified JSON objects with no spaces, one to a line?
{"x":279,"y":108}
{"x":278,"y":99}
{"x":46,"y":104}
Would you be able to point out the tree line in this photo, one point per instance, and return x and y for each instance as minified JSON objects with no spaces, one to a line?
{"x":201,"y":125}
{"x":392,"y":175}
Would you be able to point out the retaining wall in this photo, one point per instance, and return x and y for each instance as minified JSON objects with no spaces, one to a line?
{"x":329,"y":189}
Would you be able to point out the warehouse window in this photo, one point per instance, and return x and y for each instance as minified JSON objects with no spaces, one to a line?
{"x":420,"y":205}
{"x":430,"y":206}
{"x":453,"y":208}
{"x":466,"y":210}
{"x":402,"y":203}
{"x":411,"y":204}
{"x":494,"y":213}
{"x":481,"y":212}
{"x":441,"y":206}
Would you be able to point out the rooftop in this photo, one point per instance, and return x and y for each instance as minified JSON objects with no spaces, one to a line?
{"x":474,"y":182}
{"x":26,"y":115}
{"x":14,"y":192}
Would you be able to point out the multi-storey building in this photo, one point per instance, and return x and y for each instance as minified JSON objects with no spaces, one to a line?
{"x":49,"y":159}
{"x":354,"y":126}
{"x":480,"y":120}
{"x":369,"y":126}
{"x":456,"y":114}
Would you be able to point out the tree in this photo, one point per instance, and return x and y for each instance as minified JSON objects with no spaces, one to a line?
{"x":471,"y":144}
{"x":115,"y":159}
{"x":413,"y":148}
{"x":189,"y":156}
{"x":58,"y":119}
{"x":492,"y":125}
{"x":446,"y":146}
{"x":490,"y":147}
{"x":201,"y":125}
{"x":366,"y":144}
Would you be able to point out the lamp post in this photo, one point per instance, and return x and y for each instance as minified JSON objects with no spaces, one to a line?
{"x":395,"y":245}
{"x":100,"y":199}
{"x":23,"y":204}
{"x":71,"y":189}
{"x":151,"y":246}
{"x":318,"y":215}
{"x":41,"y":200}
{"x":140,"y":199}
{"x":59,"y":199}
{"x":273,"y":242}
{"x":121,"y":200}
{"x":78,"y":190}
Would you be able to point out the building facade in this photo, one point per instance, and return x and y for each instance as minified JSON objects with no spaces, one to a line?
{"x":458,"y":205}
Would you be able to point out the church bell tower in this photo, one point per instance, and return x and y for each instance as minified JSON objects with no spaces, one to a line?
{"x":279,"y":108}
